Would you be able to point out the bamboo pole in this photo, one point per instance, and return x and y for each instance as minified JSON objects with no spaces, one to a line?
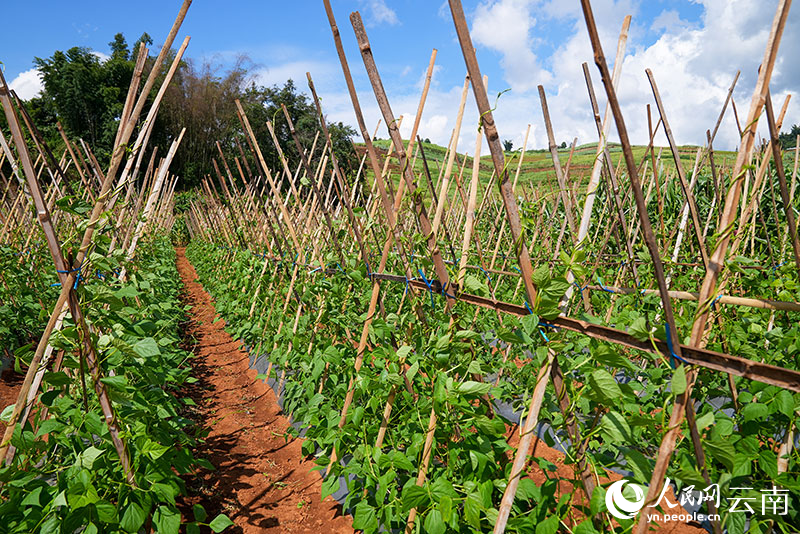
{"x":717,"y":259}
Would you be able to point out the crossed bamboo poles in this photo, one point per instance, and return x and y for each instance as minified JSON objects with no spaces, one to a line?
{"x":105,"y":199}
{"x":638,"y":194}
{"x":278,"y":221}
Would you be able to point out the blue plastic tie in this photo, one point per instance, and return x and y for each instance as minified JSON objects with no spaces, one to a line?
{"x":671,"y":350}
{"x":528,"y":308}
{"x":445,"y":293}
{"x":485,"y":272}
{"x":604,"y":288}
{"x":714,"y":302}
{"x":775,"y":269}
{"x":78,"y":278}
{"x":548,"y":325}
{"x":543,"y":335}
{"x":580,"y":289}
{"x":427,"y":283}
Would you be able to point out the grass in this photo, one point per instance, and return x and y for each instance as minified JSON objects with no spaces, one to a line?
{"x":537,"y":167}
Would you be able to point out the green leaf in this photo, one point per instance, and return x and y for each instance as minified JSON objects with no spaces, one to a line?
{"x":88,"y":457}
{"x":200,"y":513}
{"x":403,"y":352}
{"x":755,"y":410}
{"x":603,"y":386}
{"x":528,"y":490}
{"x":606,"y":355}
{"x":639,"y":330}
{"x":548,"y":526}
{"x":555,"y":289}
{"x":446,"y":507}
{"x":146,"y":348}
{"x":529,"y":323}
{"x":401,"y":461}
{"x":58,"y":379}
{"x":167,"y":521}
{"x":106,"y":512}
{"x":474,"y":388}
{"x":615,"y":428}
{"x":133,"y":518}
{"x":128,"y":291}
{"x":475,"y":286}
{"x":49,"y":397}
{"x":32,"y":498}
{"x":413,"y":496}
{"x":48,"y":426}
{"x":154,"y":450}
{"x":365,"y":517}
{"x":330,"y":486}
{"x":679,"y":381}
{"x":541,"y":276}
{"x":784,"y":402}
{"x":118,"y":382}
{"x":768,"y":461}
{"x":60,"y":500}
{"x":586,"y":527}
{"x":412,"y":371}
{"x":705,"y":420}
{"x":7,"y":412}
{"x":473,"y":505}
{"x":220,"y":523}
{"x":721,"y":451}
{"x":434,"y":523}
{"x":640,"y":466}
{"x":598,"y":500}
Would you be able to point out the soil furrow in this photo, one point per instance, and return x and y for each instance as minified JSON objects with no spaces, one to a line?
{"x":262,"y":482}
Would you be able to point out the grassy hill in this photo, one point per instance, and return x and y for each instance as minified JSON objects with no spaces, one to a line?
{"x":537,"y":166}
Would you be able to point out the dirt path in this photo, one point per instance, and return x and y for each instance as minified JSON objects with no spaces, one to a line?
{"x":262,"y":481}
{"x":10,"y":384}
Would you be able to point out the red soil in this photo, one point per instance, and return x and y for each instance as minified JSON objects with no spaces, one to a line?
{"x":10,"y":383}
{"x":262,"y":481}
{"x":566,"y":472}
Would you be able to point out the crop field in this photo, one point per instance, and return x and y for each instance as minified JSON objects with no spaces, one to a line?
{"x":332,"y":329}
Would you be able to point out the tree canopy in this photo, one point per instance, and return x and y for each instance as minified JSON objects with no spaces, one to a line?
{"x":789,"y":139}
{"x":85,"y":92}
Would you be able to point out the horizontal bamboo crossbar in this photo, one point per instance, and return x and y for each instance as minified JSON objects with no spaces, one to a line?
{"x":766,"y":304}
{"x":735,"y":365}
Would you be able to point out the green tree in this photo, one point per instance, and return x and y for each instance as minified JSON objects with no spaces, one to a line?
{"x":86,"y":94}
{"x":508,"y":145}
{"x":789,"y":139}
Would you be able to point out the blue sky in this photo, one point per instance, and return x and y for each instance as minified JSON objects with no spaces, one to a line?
{"x":693,"y":47}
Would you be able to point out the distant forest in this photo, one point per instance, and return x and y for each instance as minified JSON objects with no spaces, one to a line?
{"x":85,"y":93}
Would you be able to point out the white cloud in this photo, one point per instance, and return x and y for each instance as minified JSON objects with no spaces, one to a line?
{"x":505,"y":26}
{"x":27,"y":84}
{"x":321,"y":73}
{"x":101,"y":56}
{"x":693,"y":65}
{"x":379,"y":13}
{"x":668,"y":20}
